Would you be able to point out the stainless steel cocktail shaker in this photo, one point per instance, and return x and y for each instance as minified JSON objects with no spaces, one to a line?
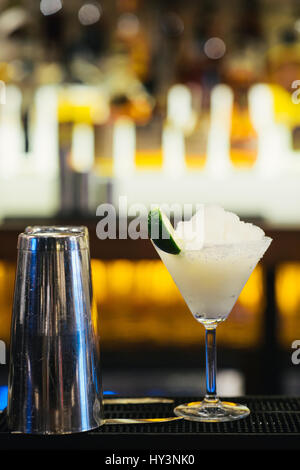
{"x":54,"y":377}
{"x":66,"y":229}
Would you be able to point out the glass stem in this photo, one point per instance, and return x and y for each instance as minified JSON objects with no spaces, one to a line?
{"x":211,"y":364}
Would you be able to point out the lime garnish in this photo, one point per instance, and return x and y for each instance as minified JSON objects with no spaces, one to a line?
{"x":162,"y":233}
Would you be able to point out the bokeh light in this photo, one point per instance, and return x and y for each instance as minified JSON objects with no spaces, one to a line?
{"x":172,"y":24}
{"x":128,"y":25}
{"x":297,"y":25}
{"x":49,"y":7}
{"x":214,"y":48}
{"x":89,"y":14}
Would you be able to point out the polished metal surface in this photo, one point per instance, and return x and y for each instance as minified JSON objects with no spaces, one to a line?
{"x":54,"y":381}
{"x":57,"y":229}
{"x":65,"y":229}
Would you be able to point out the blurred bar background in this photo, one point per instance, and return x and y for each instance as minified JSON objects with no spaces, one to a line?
{"x":161,"y":102}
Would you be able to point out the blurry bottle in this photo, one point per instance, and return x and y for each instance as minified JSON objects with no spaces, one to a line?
{"x":283,"y":62}
{"x":243,"y":136}
{"x":149,"y":144}
{"x":81,"y":110}
{"x":241,"y":71}
{"x":196,"y":137}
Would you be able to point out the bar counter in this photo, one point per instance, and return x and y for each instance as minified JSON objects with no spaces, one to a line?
{"x":274,"y":422}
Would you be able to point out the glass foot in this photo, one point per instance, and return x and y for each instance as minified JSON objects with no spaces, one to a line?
{"x":211,"y":411}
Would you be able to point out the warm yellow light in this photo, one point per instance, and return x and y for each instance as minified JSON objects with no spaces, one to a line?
{"x":136,"y":302}
{"x":7,"y":277}
{"x":287,"y":288}
{"x":82,"y":104}
{"x":252,"y":295}
{"x":149,"y":159}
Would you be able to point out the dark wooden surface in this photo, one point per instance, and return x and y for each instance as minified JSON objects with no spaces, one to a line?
{"x":285,"y":245}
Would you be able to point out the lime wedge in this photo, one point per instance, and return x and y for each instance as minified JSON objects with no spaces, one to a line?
{"x":162,"y":233}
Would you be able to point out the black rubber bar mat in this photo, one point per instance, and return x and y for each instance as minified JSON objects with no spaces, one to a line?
{"x":274,"y":423}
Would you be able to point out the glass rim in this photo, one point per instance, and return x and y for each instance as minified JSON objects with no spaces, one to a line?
{"x":218,"y":246}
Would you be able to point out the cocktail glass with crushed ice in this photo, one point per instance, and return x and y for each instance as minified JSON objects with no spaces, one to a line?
{"x":210,"y":258}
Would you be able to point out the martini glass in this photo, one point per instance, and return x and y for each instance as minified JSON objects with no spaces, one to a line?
{"x":210,"y":280}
